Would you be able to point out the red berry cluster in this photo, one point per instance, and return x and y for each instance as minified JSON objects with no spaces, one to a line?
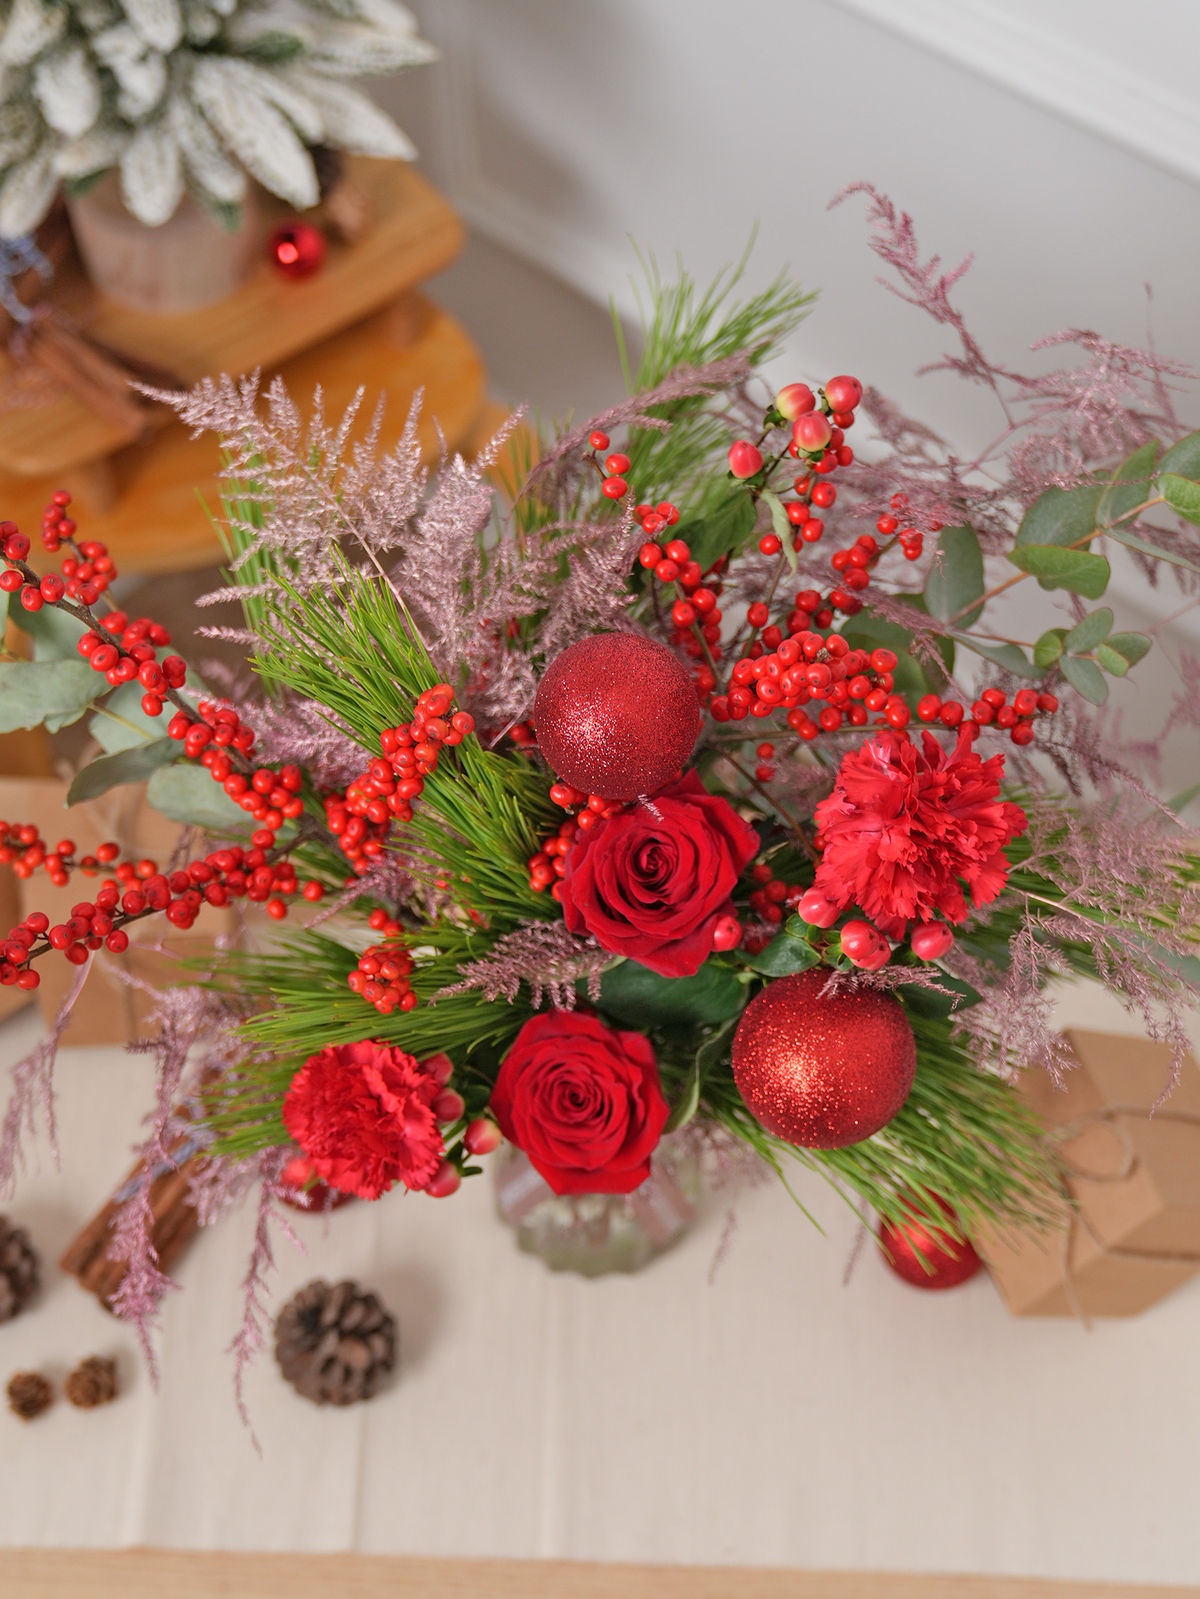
{"x":614,"y":486}
{"x":86,"y":572}
{"x":991,"y":709}
{"x":911,"y":539}
{"x":129,"y":651}
{"x":771,"y":898}
{"x":806,"y":667}
{"x":23,"y":848}
{"x":383,"y":970}
{"x":587,"y":811}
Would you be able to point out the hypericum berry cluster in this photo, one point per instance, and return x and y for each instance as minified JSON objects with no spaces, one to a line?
{"x":862,"y":943}
{"x":991,"y":709}
{"x":806,"y":667}
{"x":587,"y":811}
{"x":381,"y":976}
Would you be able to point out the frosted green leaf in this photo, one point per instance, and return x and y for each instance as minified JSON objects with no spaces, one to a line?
{"x":159,"y":22}
{"x":31,"y":28}
{"x":152,"y":174}
{"x":26,"y":192}
{"x":256,"y":131}
{"x":67,"y":87}
{"x":18,"y":133}
{"x":98,"y":149}
{"x":352,"y":120}
{"x":208,"y":166}
{"x":141,"y":72}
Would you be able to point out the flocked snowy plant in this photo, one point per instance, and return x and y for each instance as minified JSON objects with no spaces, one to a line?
{"x":188,"y":94}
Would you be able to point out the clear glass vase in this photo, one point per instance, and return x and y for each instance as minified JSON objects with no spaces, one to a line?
{"x":594,"y":1234}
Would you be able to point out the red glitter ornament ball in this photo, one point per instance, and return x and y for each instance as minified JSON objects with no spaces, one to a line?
{"x":948,"y":1261}
{"x":616,"y":716}
{"x":823,"y":1070}
{"x":297,"y":250}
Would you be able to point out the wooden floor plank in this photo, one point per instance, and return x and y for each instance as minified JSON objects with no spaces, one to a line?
{"x":187,"y":1574}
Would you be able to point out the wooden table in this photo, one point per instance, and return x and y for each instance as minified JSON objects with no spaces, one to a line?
{"x":356,"y":322}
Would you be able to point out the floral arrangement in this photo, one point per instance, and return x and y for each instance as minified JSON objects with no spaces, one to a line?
{"x":180,"y":94}
{"x":702,"y":781}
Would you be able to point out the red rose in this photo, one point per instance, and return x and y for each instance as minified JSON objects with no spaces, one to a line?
{"x":652,"y":882}
{"x":363,"y":1114}
{"x":583,"y":1102}
{"x":902,"y":828}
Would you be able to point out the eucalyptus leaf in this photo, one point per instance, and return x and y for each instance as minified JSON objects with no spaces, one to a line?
{"x":1091,"y":631}
{"x":45,"y":693}
{"x":1132,"y":646}
{"x":1049,"y":647}
{"x":55,"y":633}
{"x":955,"y":578}
{"x":1079,"y":571}
{"x":121,"y":723}
{"x":784,"y":530}
{"x":1129,"y":486}
{"x":1123,"y":536}
{"x":126,"y":766}
{"x":1061,"y":516}
{"x":1010,"y":656}
{"x":633,"y":994}
{"x":726,"y":530}
{"x":1181,"y":494}
{"x":1183,"y":458}
{"x":1086,"y":678}
{"x":1116,"y":665}
{"x":188,"y":794}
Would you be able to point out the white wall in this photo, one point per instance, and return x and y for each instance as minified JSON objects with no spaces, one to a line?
{"x":562,"y":129}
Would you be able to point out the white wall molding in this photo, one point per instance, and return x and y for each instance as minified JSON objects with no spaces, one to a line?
{"x":1097,"y":91}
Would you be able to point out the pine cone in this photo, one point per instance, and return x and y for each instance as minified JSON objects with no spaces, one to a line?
{"x":93,"y":1382}
{"x":19,"y":1265}
{"x":335,"y":1344}
{"x":28,"y":1394}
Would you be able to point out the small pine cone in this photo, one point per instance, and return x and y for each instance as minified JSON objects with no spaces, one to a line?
{"x":93,"y":1382}
{"x":19,"y":1266}
{"x":28,"y":1394}
{"x":335,"y":1344}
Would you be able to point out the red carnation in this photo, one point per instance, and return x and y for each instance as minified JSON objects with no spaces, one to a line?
{"x":583,"y":1101}
{"x":901,"y":829}
{"x":363,"y":1114}
{"x":652,"y":882}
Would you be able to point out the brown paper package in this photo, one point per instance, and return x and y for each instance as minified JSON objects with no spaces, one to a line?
{"x":1135,"y":1179}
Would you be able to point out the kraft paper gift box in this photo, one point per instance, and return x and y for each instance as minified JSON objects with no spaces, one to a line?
{"x":1132,"y":1170}
{"x":108,"y":1011}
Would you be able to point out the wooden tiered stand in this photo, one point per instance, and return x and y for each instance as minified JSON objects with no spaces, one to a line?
{"x":357,"y":322}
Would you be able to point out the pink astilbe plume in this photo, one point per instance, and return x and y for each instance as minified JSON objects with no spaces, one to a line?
{"x":33,"y":1090}
{"x":250,"y":1338}
{"x":544,"y":955}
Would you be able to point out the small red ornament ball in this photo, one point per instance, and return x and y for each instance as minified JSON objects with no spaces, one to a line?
{"x":948,"y":1261}
{"x":616,"y":716}
{"x":297,"y":250}
{"x":823,"y":1070}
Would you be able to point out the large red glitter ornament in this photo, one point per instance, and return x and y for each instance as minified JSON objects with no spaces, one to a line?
{"x":297,"y":250}
{"x":616,"y":716}
{"x":823,"y":1070}
{"x":948,"y":1261}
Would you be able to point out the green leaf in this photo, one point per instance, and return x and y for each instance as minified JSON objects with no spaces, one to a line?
{"x":121,"y":723}
{"x":784,"y":530}
{"x":127,"y":766}
{"x":955,"y":579}
{"x":1129,"y":485}
{"x":1183,"y":458}
{"x":1010,"y":656}
{"x":1184,"y":799}
{"x":726,"y":530}
{"x":1086,"y":678}
{"x":1130,"y":646}
{"x":1049,"y":647}
{"x":1091,"y":631}
{"x":1113,"y":663}
{"x":1060,"y":516}
{"x":53,"y":693}
{"x":787,"y":952}
{"x":1181,"y":494}
{"x":188,"y":794}
{"x":1055,"y":568}
{"x":706,"y":1057}
{"x":1156,"y":550}
{"x":928,"y":1002}
{"x":54,"y":633}
{"x":638,"y":997}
